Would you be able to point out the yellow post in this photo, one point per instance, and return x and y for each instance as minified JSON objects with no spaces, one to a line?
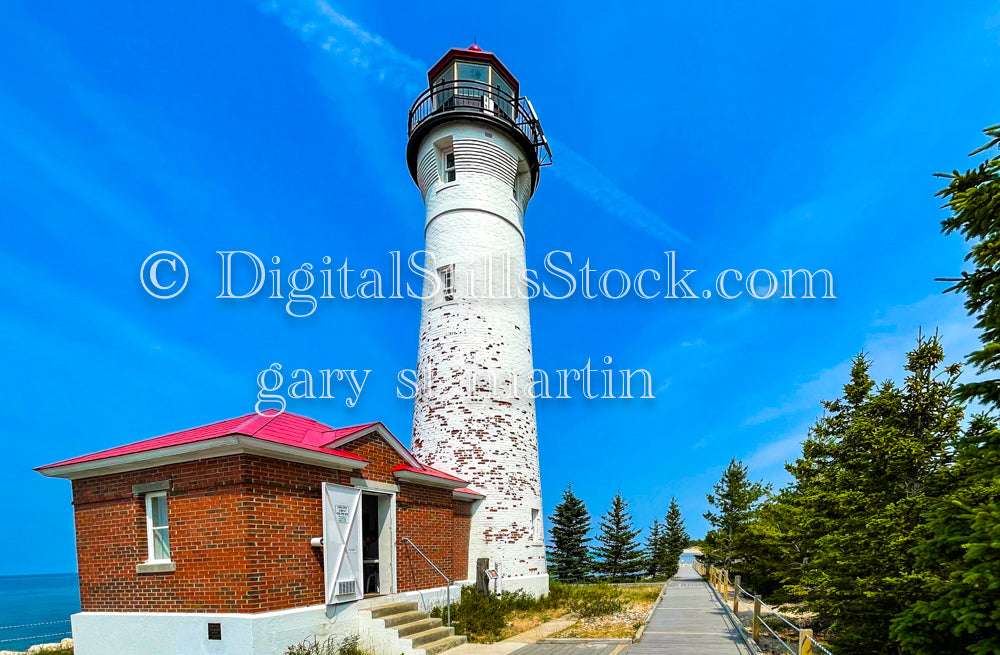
{"x":725,"y":585}
{"x":805,"y":646}
{"x":736,"y":595}
{"x":755,"y":631}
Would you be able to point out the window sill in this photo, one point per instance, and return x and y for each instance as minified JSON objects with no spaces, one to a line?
{"x":447,"y":185}
{"x":537,"y":544}
{"x":155,"y":567}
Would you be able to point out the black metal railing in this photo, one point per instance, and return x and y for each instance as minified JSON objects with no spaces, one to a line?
{"x":469,"y":96}
{"x":447,"y":580}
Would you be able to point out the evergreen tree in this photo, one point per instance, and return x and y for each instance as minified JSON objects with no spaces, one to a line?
{"x":736,"y":500}
{"x":619,"y":555}
{"x":568,"y":556}
{"x":974,"y":200}
{"x":655,"y":548}
{"x":958,"y":566}
{"x":870,"y":468}
{"x":675,"y":539}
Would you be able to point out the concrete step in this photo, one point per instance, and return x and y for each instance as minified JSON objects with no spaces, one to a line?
{"x":417,"y":626}
{"x":395,"y":608}
{"x":392,"y":620}
{"x":447,"y":643}
{"x":430,"y":636}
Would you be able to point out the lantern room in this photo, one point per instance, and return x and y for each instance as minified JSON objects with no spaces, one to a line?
{"x":471,"y":73}
{"x":470,"y":83}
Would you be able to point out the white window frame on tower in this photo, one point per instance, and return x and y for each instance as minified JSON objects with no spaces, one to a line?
{"x":448,"y":166}
{"x":447,"y":276}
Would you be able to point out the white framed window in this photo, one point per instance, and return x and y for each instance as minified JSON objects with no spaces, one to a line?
{"x":536,"y":525}
{"x":157,"y":527}
{"x":448,"y":167}
{"x":447,"y":276}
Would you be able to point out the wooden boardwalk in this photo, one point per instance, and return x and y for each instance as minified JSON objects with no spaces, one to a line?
{"x":690,"y":620}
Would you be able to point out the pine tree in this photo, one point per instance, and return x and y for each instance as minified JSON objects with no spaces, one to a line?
{"x":974,"y":200}
{"x":675,"y":540}
{"x":568,"y":556}
{"x":958,"y":566}
{"x":736,"y":500}
{"x":869,"y":471}
{"x":619,"y":555}
{"x":655,"y":547}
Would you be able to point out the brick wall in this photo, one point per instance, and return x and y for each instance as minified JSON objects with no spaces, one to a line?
{"x":239,"y":530}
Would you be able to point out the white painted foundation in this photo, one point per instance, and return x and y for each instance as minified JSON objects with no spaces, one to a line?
{"x":266,"y":633}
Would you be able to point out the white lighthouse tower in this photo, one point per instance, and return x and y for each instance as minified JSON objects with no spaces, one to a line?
{"x":475,"y":148}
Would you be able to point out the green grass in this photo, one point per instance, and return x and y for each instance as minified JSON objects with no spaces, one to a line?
{"x":487,"y":619}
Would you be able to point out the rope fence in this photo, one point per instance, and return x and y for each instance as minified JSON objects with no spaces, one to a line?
{"x":29,"y":637}
{"x":33,"y":637}
{"x":723,"y":586}
{"x":31,"y":625}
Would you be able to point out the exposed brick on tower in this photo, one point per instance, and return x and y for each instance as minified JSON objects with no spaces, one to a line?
{"x":474,"y":413}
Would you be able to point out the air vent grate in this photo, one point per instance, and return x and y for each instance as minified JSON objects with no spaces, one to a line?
{"x":346,"y":587}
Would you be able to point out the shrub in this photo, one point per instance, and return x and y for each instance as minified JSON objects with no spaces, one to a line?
{"x":350,"y":645}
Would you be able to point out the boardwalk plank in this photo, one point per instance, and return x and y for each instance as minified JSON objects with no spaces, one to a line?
{"x":689,"y":620}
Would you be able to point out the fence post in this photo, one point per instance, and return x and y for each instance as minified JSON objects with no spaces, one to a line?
{"x":805,"y":646}
{"x":736,"y":595}
{"x":725,"y":586}
{"x":755,"y":631}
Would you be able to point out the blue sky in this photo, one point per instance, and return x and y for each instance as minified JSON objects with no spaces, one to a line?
{"x":771,"y":136}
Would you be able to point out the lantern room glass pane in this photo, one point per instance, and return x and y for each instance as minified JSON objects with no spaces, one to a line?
{"x":505,"y":93}
{"x":443,"y":89}
{"x":474,"y":72}
{"x":479,"y":76}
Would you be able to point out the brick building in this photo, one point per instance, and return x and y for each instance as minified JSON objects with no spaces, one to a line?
{"x":222,"y":521}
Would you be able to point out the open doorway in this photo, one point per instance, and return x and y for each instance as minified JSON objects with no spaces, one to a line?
{"x":377,"y":544}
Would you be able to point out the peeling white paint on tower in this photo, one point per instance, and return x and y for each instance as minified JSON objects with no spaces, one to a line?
{"x":475,"y":150}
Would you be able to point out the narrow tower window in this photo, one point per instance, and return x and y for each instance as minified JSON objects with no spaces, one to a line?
{"x":447,"y":276}
{"x":449,"y":166}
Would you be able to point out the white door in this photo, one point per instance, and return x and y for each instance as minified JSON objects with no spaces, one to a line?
{"x":342,"y":543}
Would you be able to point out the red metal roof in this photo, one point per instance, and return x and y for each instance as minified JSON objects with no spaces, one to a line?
{"x":427,"y":470}
{"x":286,"y":428}
{"x":469,"y":491}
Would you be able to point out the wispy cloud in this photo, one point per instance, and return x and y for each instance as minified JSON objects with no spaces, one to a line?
{"x":592,"y":183}
{"x":316,"y":21}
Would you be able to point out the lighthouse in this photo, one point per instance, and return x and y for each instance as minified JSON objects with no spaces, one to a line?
{"x":475,"y":150}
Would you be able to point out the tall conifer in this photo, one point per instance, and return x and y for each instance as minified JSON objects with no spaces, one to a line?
{"x":568,"y":556}
{"x":619,"y":555}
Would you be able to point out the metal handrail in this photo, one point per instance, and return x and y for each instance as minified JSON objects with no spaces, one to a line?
{"x":804,"y":635}
{"x":448,"y":581}
{"x":818,"y":645}
{"x":468,"y":96}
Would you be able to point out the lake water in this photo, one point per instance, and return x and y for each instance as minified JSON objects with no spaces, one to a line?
{"x":29,"y":600}
{"x":687,"y":558}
